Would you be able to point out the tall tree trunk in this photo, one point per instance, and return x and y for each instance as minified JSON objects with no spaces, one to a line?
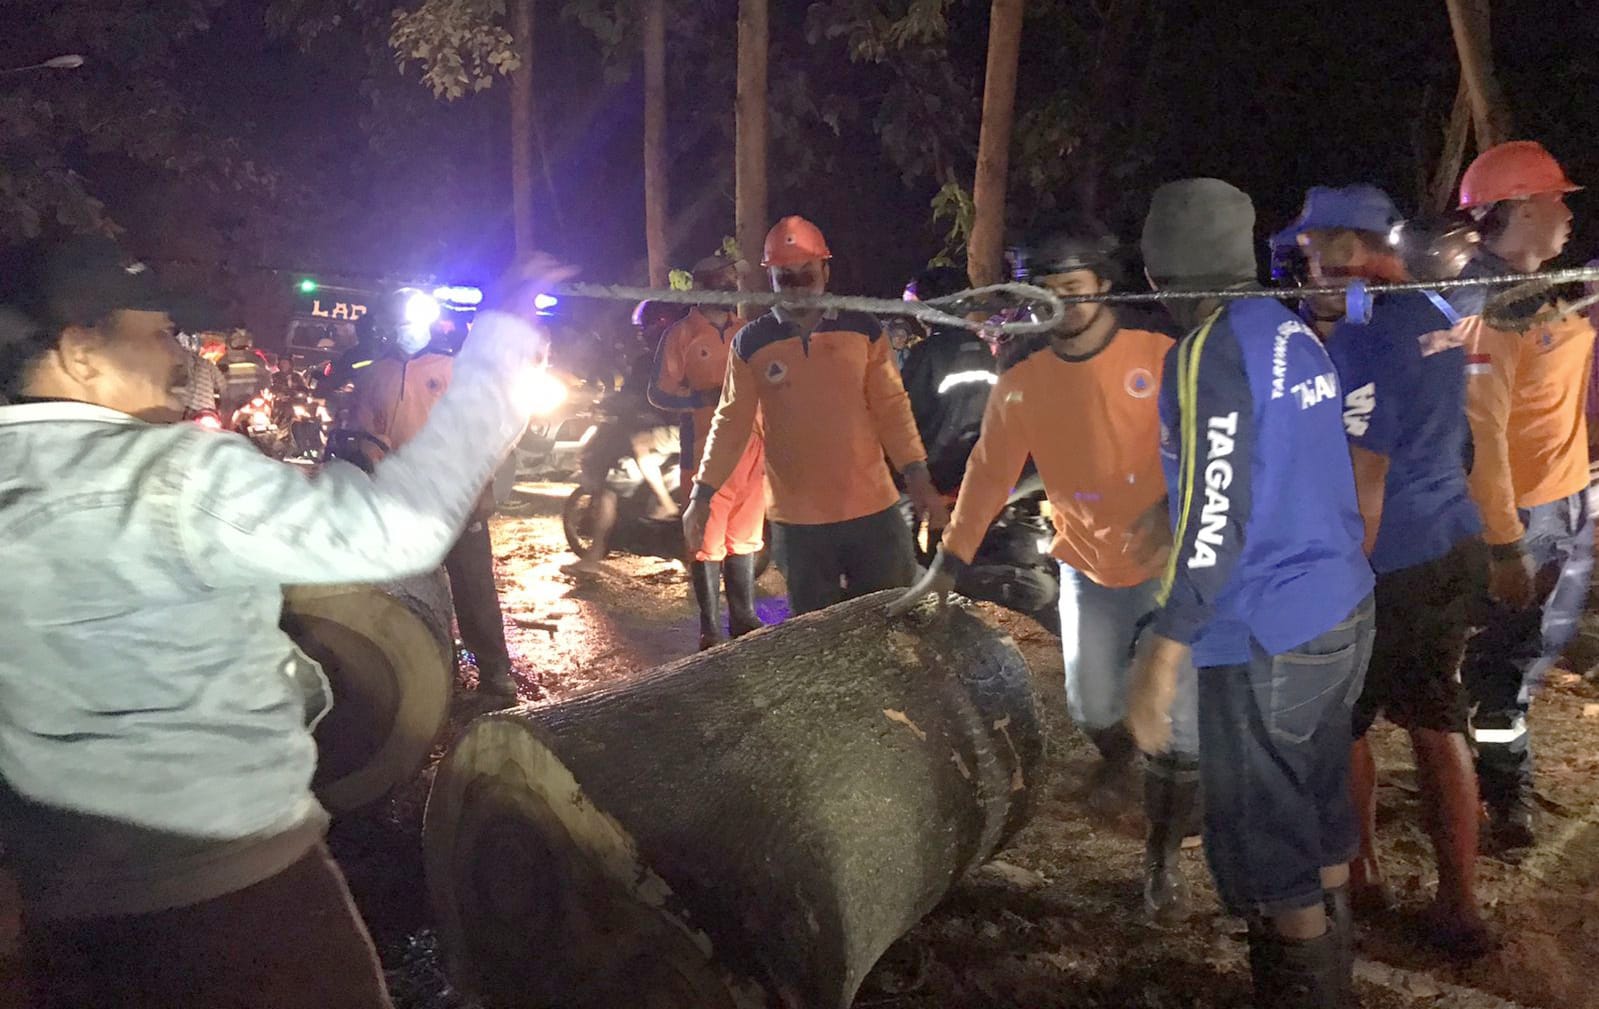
{"x":1446,"y":173}
{"x":985,"y":253}
{"x":522,"y":127}
{"x":656,"y":187}
{"x":1490,"y":113}
{"x":751,"y":138}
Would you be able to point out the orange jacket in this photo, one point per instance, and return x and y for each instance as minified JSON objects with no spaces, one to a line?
{"x":832,"y":404}
{"x":1525,"y":398}
{"x":393,"y":397}
{"x":690,"y":368}
{"x":1093,"y":429}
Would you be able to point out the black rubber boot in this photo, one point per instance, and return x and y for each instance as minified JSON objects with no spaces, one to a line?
{"x":1114,"y":783}
{"x":1171,"y":794}
{"x":1504,"y":776}
{"x":738,"y":573}
{"x":1298,"y":973}
{"x":707,"y":579}
{"x":1341,"y":926}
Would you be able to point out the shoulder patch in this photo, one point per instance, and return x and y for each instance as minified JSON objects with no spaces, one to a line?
{"x":763,"y":332}
{"x":857,"y":322}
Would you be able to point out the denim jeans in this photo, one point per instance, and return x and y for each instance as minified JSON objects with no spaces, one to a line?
{"x":1507,"y":660}
{"x":1274,"y":764}
{"x":1099,"y":627}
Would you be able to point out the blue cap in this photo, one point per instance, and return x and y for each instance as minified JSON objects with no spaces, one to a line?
{"x":1354,"y":208}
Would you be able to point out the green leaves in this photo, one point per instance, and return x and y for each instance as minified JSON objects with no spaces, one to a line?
{"x":461,"y":45}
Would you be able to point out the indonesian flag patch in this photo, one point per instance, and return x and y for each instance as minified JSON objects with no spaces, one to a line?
{"x":1479,"y":364}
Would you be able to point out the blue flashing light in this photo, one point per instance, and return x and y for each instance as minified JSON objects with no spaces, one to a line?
{"x":545,"y":302}
{"x":456,"y":295}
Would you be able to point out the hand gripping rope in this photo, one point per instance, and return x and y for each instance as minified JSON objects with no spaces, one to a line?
{"x":1049,"y":307}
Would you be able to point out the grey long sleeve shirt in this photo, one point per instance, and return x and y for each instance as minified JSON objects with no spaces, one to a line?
{"x":148,"y":732}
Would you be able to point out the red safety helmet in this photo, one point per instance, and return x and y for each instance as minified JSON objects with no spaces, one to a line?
{"x":1512,"y":171}
{"x":792,"y":241}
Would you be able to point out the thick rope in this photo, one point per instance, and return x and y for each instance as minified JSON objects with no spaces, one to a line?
{"x":1052,"y":305}
{"x":1049,"y":308}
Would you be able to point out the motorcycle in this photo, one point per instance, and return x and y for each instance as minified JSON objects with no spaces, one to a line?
{"x":1013,"y":567}
{"x":607,"y":451}
{"x":562,"y":414}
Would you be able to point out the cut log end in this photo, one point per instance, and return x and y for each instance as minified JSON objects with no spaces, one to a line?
{"x":547,"y":900}
{"x":387,"y":654}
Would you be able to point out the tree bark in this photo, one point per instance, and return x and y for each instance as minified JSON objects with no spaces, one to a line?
{"x":389,"y":658}
{"x":751,"y":826}
{"x":522,"y":127}
{"x":985,"y":253}
{"x":1490,"y":112}
{"x":1446,"y":174}
{"x":656,"y":188}
{"x":750,"y":113}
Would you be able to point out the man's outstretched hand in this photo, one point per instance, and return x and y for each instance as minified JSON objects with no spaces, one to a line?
{"x":517,"y":290}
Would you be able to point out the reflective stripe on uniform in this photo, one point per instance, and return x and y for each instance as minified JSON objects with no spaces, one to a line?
{"x":1188,"y":423}
{"x":1517,"y":729}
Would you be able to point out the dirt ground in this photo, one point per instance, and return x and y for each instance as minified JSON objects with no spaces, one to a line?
{"x":1053,"y":924}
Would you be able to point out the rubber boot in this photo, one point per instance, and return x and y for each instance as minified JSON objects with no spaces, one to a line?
{"x":1111,"y":783}
{"x":1298,"y":973}
{"x":707,"y":579}
{"x":1171,"y":793}
{"x":1341,"y":926}
{"x":1505,"y":776}
{"x":738,"y":574}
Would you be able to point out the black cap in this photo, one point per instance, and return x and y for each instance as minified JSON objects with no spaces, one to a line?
{"x":83,"y":280}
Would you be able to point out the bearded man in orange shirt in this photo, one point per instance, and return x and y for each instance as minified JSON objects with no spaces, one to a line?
{"x":1085,"y":406}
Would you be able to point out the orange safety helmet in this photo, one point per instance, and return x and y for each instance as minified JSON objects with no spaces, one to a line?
{"x":1512,"y":171}
{"x":792,"y":241}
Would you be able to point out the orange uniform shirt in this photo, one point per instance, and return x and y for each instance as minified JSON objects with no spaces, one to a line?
{"x":393,"y":397}
{"x":1093,"y":430}
{"x":690,"y":369}
{"x":832,"y":404}
{"x":1525,"y":398}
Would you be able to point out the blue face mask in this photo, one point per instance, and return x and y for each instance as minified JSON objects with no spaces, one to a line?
{"x":412,"y":339}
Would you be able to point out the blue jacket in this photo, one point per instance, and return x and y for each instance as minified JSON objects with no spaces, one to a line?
{"x":1267,"y":543}
{"x":1403,"y":376}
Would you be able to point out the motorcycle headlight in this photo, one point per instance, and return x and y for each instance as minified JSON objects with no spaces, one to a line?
{"x":539,"y":393}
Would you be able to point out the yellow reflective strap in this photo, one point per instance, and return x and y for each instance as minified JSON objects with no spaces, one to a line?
{"x":1188,"y":428}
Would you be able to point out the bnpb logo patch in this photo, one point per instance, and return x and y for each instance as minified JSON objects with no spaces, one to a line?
{"x":776,"y":372}
{"x":1140,"y":383}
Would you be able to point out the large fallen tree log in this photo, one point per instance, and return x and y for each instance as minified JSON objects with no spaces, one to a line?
{"x":751,"y":826}
{"x":389,"y":657}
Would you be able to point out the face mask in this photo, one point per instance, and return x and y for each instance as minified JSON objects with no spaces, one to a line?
{"x":412,"y":339}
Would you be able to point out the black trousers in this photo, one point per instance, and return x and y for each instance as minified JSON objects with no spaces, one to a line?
{"x":470,"y":565}
{"x":827,"y":564}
